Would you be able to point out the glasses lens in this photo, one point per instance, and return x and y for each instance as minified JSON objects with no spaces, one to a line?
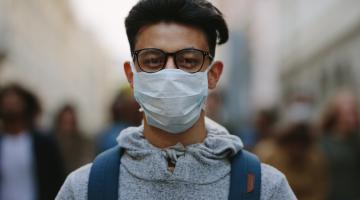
{"x":190,"y":60}
{"x":151,"y":60}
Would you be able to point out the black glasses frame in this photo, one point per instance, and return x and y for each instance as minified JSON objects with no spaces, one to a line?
{"x":172,"y":54}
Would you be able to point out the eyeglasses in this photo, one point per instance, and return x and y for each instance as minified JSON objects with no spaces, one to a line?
{"x":153,"y":60}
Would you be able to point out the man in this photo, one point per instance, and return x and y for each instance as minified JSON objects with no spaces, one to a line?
{"x":176,"y":153}
{"x":30,"y":163}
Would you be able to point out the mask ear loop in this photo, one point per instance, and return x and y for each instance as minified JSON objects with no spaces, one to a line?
{"x":209,"y":68}
{"x":132,"y":65}
{"x":206,"y":72}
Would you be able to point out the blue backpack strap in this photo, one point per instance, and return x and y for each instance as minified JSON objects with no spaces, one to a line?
{"x":245,"y":180}
{"x":104,"y":175}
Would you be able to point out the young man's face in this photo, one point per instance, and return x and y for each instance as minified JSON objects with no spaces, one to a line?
{"x":172,"y":37}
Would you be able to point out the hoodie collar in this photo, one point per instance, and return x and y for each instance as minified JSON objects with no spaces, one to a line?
{"x":199,"y":163}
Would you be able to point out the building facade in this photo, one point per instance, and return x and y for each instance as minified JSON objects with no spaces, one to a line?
{"x":43,"y":48}
{"x":298,"y":46}
{"x":320,"y":47}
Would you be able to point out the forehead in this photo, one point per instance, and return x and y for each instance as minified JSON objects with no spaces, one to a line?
{"x":171,"y":37}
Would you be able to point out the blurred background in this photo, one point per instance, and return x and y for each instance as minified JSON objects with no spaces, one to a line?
{"x":290,"y":89}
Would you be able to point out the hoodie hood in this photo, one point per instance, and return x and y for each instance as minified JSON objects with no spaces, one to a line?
{"x":200,"y":163}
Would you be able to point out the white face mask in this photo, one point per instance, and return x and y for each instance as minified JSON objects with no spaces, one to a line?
{"x":171,"y":98}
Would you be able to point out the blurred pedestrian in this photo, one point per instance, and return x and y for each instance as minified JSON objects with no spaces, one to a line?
{"x":124,"y":113}
{"x":76,"y":149}
{"x":261,"y":131}
{"x":30,"y":162}
{"x":294,"y":150}
{"x":341,"y":144}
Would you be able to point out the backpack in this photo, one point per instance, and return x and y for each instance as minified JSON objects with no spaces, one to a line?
{"x":245,"y":180}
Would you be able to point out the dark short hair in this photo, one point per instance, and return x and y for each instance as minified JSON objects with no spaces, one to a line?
{"x":197,"y":13}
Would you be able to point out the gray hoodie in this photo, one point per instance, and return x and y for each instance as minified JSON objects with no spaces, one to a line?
{"x":202,"y":171}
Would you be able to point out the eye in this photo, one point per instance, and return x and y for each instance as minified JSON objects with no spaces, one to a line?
{"x":152,"y":61}
{"x":190,"y":60}
{"x":151,"y":58}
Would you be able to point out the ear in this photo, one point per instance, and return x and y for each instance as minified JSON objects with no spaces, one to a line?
{"x":214,"y":74}
{"x":128,"y":73}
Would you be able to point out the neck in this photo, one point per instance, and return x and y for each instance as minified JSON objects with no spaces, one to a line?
{"x":163,"y":139}
{"x":14,"y":127}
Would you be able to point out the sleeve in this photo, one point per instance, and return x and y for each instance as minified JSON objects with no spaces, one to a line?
{"x":274,"y":185}
{"x":282,"y":191}
{"x":75,"y":185}
{"x":66,"y":192}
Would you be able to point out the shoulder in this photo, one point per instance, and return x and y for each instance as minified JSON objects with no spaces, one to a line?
{"x":274,"y":184}
{"x":75,"y":185}
{"x":42,"y":136}
{"x":44,"y":140}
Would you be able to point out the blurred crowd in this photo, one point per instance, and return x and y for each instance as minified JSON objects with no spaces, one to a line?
{"x":319,"y":152}
{"x":35,"y":161}
{"x":320,"y":156}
